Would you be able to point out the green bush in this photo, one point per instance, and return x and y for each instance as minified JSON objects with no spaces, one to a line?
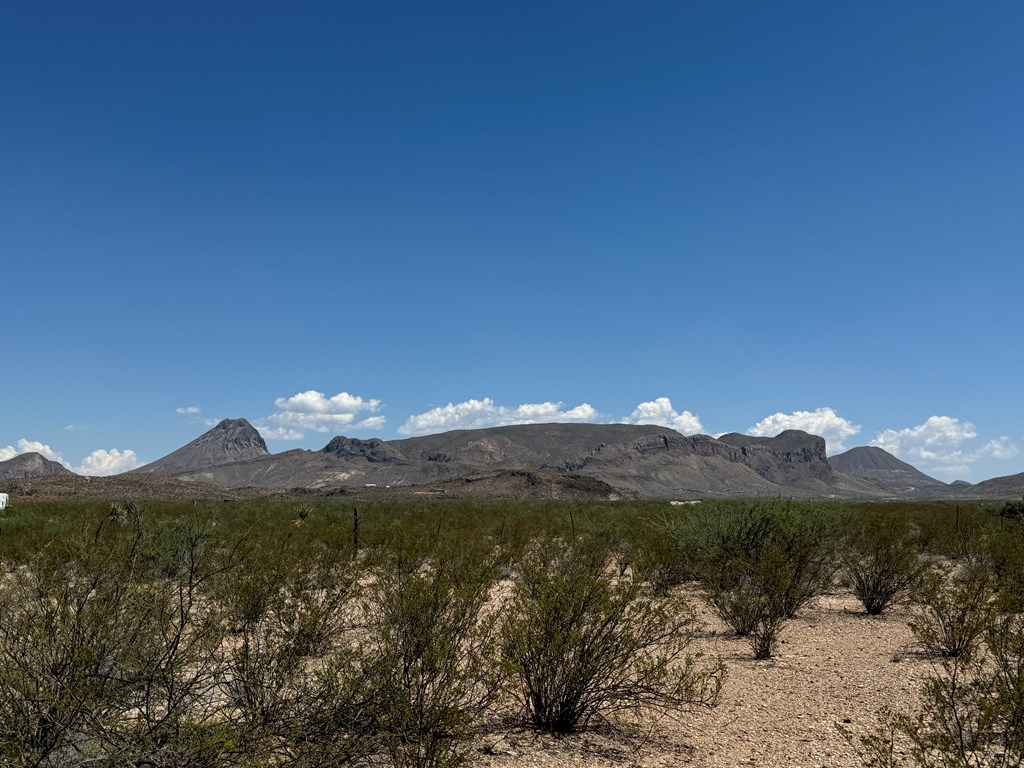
{"x":954,"y":612}
{"x":883,"y":563}
{"x":295,"y":686}
{"x":761,"y":563}
{"x":430,"y":651}
{"x":105,"y":652}
{"x":971,"y":712}
{"x":579,"y":642}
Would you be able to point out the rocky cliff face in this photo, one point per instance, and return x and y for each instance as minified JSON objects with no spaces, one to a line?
{"x":371,"y":450}
{"x":790,"y":456}
{"x":31,"y":464}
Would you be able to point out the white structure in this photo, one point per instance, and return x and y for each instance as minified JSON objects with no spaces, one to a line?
{"x":3,"y":500}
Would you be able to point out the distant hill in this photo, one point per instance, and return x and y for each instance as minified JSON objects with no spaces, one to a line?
{"x":521,"y":484}
{"x":881,"y":466}
{"x":1008,"y":487}
{"x":31,"y":464}
{"x":230,"y":441}
{"x":142,"y":487}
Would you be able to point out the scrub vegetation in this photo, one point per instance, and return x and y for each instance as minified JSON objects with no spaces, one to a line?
{"x":265,"y":633}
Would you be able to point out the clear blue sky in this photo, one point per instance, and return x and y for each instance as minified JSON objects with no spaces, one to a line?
{"x":748,"y":208}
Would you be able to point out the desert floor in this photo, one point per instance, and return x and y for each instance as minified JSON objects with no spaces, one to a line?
{"x":835,"y":664}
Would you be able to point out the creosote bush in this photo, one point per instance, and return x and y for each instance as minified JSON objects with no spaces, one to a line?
{"x":760,"y":563}
{"x":106,"y":650}
{"x":430,"y":650}
{"x":971,"y":712}
{"x":884,"y":564}
{"x":582,"y":642}
{"x":954,"y":611}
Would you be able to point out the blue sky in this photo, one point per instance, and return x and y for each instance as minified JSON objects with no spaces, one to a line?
{"x":769,"y":214}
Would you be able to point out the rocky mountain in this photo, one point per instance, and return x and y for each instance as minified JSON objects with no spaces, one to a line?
{"x":881,"y":466}
{"x":231,"y":441}
{"x":642,"y":460}
{"x":31,"y":464}
{"x":1008,"y":487}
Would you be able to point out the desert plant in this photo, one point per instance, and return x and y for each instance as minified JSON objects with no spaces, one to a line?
{"x":103,"y":657}
{"x":971,"y":712}
{"x":430,"y":650}
{"x":580,"y":642}
{"x":954,"y":611}
{"x":761,"y":563}
{"x":290,"y":674}
{"x":666,"y":550}
{"x":883,"y":564}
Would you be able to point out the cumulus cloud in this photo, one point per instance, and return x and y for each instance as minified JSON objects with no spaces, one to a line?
{"x":824,"y":422}
{"x":937,"y":445}
{"x":661,"y":412}
{"x":112,"y":462}
{"x":313,"y":411}
{"x":373,"y":422}
{"x":478,"y":414}
{"x":189,"y":410}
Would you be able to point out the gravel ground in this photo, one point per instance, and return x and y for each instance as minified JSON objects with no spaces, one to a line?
{"x":835,"y":664}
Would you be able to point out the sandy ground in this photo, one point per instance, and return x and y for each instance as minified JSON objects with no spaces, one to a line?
{"x":835,"y":664}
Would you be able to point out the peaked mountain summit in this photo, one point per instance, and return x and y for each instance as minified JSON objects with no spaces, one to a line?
{"x":230,"y":441}
{"x":881,"y":466}
{"x":31,"y":464}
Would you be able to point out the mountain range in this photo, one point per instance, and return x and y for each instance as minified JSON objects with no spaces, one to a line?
{"x":553,"y":460}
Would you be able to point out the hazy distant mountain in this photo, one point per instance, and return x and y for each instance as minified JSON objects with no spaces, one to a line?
{"x":230,"y":441}
{"x":1008,"y":487}
{"x":644,"y":460}
{"x":31,"y":464}
{"x":881,"y":466}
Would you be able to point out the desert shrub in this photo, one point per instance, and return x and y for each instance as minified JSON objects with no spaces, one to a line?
{"x":1012,"y":510}
{"x":580,"y":642}
{"x":290,"y":674}
{"x":761,"y":563}
{"x":103,"y":656}
{"x":971,"y":712}
{"x":665,"y":552}
{"x":954,"y":611}
{"x":430,"y":651}
{"x":883,"y":563}
{"x":1004,"y":555}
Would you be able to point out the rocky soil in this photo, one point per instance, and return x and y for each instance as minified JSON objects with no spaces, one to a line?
{"x":835,"y":665}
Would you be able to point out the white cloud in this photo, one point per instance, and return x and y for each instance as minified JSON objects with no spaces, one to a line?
{"x":1000,"y":448}
{"x":937,"y":445}
{"x":661,"y":412}
{"x":372,"y":422}
{"x":189,"y":410}
{"x":823,"y":422}
{"x":112,"y":462}
{"x":479,"y":414}
{"x":312,"y":411}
